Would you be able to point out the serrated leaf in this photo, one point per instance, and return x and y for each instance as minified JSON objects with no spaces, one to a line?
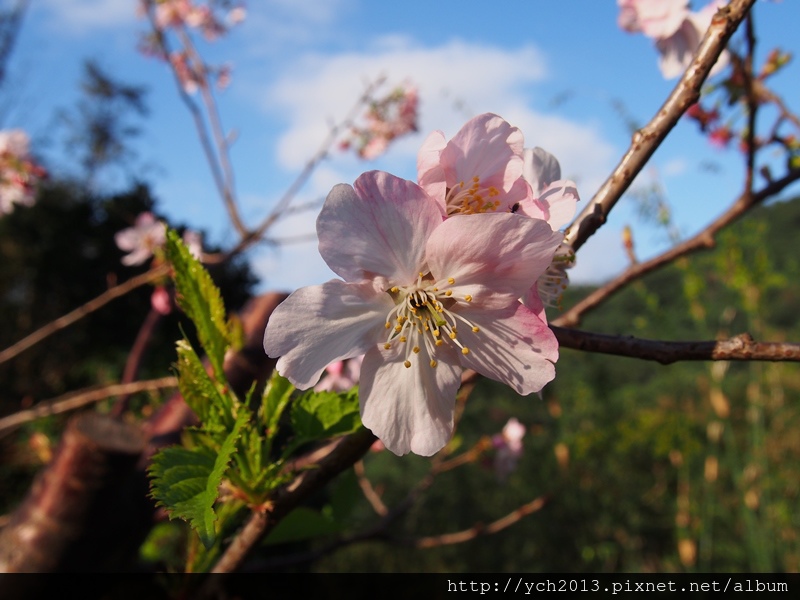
{"x":276,"y":396}
{"x":319,"y":415}
{"x":186,"y":481}
{"x":200,"y":300}
{"x":197,"y":389}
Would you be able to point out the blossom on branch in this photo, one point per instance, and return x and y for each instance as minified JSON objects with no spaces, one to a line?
{"x":422,"y":297}
{"x":19,"y":173}
{"x":387,"y":119}
{"x":676,"y":30}
{"x":485,"y":169}
{"x":141,"y":240}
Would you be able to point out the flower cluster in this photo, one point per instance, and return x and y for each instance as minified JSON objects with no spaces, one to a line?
{"x":387,"y":119}
{"x":212,"y":19}
{"x":19,"y":173}
{"x":432,"y":274}
{"x":676,"y":30}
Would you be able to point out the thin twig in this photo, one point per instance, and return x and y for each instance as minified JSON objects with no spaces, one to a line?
{"x":703,"y":240}
{"x":647,"y":140}
{"x":740,"y":347}
{"x":80,"y":312}
{"x":300,"y":180}
{"x":369,"y":492}
{"x":479,"y":530}
{"x":75,"y":400}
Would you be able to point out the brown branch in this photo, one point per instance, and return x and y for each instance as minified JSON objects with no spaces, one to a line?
{"x":80,"y":312}
{"x":369,"y":492}
{"x":703,"y":240}
{"x":740,"y":347}
{"x":647,"y":140}
{"x":479,"y":530}
{"x":64,"y":503}
{"x":75,"y":400}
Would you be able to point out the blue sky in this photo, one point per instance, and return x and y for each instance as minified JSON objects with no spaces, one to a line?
{"x":553,"y":68}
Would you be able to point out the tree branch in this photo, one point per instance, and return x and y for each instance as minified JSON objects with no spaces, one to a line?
{"x":75,"y":400}
{"x":704,"y":239}
{"x":649,"y":138}
{"x":740,"y":347}
{"x":80,"y":312}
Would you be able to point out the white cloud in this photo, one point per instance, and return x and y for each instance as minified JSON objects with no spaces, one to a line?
{"x":456,"y":80}
{"x":80,"y":16}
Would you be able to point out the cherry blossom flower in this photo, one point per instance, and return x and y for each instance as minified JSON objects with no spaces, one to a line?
{"x":508,"y":446}
{"x":19,"y":173}
{"x":479,"y":170}
{"x":504,"y":176}
{"x":141,"y":240}
{"x":422,"y":298}
{"x":676,"y":30}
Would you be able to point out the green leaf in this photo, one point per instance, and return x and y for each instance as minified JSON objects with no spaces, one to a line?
{"x":319,"y":415}
{"x":200,"y":393}
{"x":186,"y":481}
{"x":273,"y":402}
{"x":200,"y":299}
{"x":303,"y":524}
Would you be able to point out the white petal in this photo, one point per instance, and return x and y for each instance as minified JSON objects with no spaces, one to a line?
{"x":514,"y":346}
{"x":540,"y":168}
{"x":377,"y":228}
{"x":320,"y":324}
{"x":409,"y":409}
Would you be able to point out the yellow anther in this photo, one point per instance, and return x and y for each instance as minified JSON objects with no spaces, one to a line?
{"x":388,"y":325}
{"x":433,"y":363}
{"x":452,"y":335}
{"x":476,"y":329}
{"x":448,"y":293}
{"x":436,"y":333}
{"x":439,"y":342}
{"x":476,"y":179}
{"x":386,"y":346}
{"x":398,"y":328}
{"x":407,"y":364}
{"x":403,"y":338}
{"x":415,"y":349}
{"x":395,"y":289}
{"x":468,"y":298}
{"x":465,"y":350}
{"x":450,"y":280}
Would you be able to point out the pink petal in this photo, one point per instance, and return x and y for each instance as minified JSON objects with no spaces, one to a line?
{"x":495,"y":258}
{"x":513,"y":346}
{"x":377,"y":228}
{"x":556,"y":204}
{"x":430,"y":174}
{"x":409,"y":409}
{"x":487,"y":147}
{"x":320,"y":324}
